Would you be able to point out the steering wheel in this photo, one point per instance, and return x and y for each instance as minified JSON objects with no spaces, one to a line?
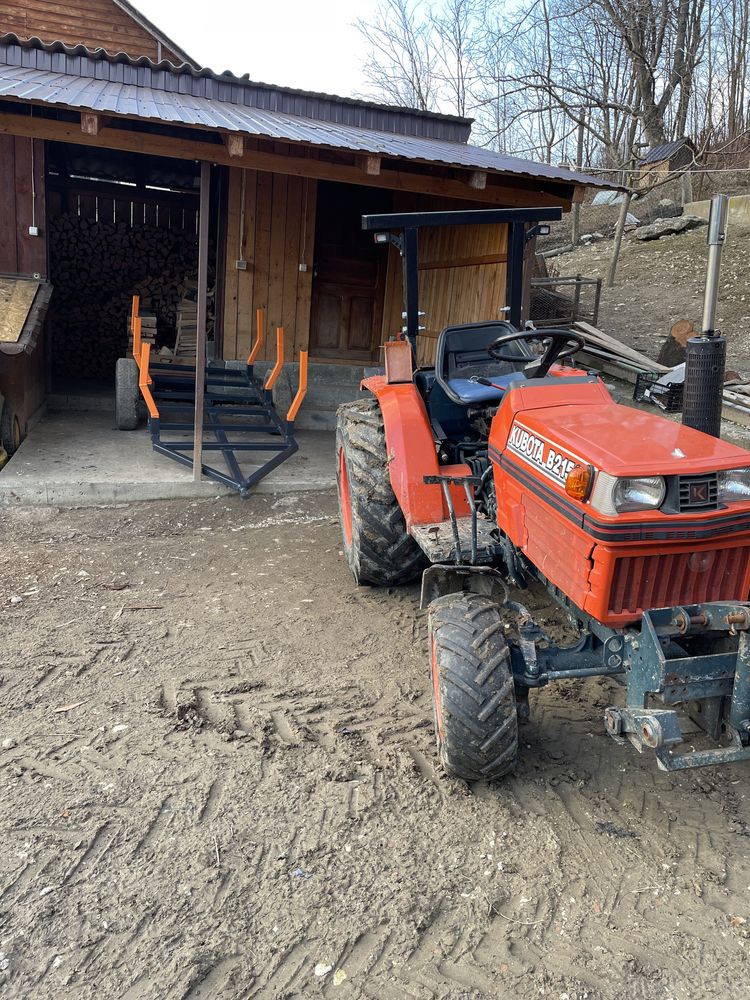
{"x":562,"y":344}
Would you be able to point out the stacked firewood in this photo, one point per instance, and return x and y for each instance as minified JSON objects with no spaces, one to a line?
{"x":96,"y":268}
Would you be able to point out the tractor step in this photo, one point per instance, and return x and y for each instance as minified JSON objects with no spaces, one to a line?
{"x":438,"y":541}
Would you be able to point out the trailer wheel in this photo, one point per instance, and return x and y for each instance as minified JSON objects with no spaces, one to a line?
{"x":126,"y":394}
{"x":377,"y":546}
{"x":476,"y":723}
{"x":10,"y":431}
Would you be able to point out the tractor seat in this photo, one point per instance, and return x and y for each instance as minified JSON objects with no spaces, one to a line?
{"x":461,"y":354}
{"x":470,"y":392}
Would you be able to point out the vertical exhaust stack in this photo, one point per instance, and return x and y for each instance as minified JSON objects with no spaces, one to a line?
{"x":705,"y":356}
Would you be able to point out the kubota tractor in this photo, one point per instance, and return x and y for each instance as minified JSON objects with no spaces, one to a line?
{"x":502,"y":465}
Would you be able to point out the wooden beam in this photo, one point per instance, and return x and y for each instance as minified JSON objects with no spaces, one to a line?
{"x":496,"y":193}
{"x":478,"y":180}
{"x":92,"y":124}
{"x":579,"y":194}
{"x":370,"y":164}
{"x":235,"y":143}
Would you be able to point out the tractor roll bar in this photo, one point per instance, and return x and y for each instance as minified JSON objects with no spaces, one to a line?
{"x":410,"y":222}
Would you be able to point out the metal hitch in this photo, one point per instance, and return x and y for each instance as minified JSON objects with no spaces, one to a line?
{"x":685,"y":656}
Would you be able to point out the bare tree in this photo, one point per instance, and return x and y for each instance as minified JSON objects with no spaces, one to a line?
{"x":628,"y":73}
{"x":401,"y":66}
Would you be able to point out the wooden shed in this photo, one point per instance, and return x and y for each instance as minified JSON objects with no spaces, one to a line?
{"x":100,"y":155}
{"x":658,"y":161}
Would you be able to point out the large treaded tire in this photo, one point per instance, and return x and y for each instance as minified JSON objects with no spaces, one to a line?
{"x":126,"y":394}
{"x":376,"y":544}
{"x":476,"y":722}
{"x":11,"y":434}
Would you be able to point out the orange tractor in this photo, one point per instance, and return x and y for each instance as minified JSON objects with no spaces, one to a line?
{"x":505,"y":464}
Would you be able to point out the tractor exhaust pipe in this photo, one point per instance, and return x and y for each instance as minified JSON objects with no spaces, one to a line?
{"x":705,"y":356}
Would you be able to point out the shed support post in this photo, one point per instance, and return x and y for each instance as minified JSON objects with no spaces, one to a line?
{"x":200,"y":340}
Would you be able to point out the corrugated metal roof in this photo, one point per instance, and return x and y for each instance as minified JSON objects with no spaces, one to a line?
{"x":63,"y":84}
{"x":77,"y":60}
{"x":664,"y":152}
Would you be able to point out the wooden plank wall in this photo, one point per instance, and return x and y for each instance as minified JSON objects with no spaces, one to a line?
{"x":462,"y":276}
{"x":19,"y":252}
{"x":95,"y":24}
{"x":278,"y":237}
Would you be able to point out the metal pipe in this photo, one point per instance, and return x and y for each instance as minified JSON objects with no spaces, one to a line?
{"x":200,"y":339}
{"x":716,"y":237}
{"x":705,"y":356}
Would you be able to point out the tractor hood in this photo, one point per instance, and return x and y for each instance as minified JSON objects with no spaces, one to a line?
{"x":579,"y":419}
{"x":628,"y":442}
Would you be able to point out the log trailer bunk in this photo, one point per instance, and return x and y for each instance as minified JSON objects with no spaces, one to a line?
{"x":501,"y":465}
{"x":239,"y":414}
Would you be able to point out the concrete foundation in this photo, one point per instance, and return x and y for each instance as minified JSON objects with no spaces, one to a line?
{"x":738,"y":214}
{"x":80,"y":459}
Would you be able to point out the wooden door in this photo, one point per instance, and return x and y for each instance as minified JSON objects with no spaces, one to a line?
{"x":348,"y":275}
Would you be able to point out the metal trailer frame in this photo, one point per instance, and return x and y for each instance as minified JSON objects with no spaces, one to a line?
{"x":517,"y":219}
{"x":239,"y":415}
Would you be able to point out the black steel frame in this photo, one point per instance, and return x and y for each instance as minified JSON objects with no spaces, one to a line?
{"x":235,"y":403}
{"x":409,"y":223}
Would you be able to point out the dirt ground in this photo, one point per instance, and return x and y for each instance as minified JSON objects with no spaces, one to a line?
{"x":219,"y":781}
{"x":662,"y":281}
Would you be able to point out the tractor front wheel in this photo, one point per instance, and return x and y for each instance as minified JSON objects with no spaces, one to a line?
{"x":378,"y":548}
{"x":476,"y":722}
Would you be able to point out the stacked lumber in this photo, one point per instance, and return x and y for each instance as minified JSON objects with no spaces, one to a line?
{"x":612,"y":356}
{"x":96,"y":268}
{"x":187,"y":329}
{"x":148,"y":329}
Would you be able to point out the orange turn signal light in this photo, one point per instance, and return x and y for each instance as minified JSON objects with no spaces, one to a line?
{"x":578,"y":482}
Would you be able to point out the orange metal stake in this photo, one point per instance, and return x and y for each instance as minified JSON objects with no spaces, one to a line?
{"x":301,"y":390}
{"x":279,"y":358}
{"x":137,"y":339}
{"x":260,"y":337}
{"x":144,"y":381}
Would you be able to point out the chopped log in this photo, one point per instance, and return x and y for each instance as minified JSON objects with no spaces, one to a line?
{"x":673,"y":349}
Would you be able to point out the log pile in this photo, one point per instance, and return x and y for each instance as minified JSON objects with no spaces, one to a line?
{"x":96,"y":268}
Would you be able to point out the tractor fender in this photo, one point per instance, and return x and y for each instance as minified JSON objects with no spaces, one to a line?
{"x":412,"y":454}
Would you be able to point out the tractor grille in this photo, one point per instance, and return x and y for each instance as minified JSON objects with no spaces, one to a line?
{"x":698,"y":492}
{"x":640,"y":583}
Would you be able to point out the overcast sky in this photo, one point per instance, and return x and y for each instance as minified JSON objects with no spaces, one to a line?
{"x":310,"y":44}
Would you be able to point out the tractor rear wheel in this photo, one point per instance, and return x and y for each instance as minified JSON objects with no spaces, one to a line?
{"x":377,"y":546}
{"x":476,"y":722}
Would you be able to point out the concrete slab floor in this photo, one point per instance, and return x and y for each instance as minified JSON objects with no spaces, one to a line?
{"x":81,"y":459}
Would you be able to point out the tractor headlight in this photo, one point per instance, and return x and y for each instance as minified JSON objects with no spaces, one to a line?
{"x":613,"y":495}
{"x":734,"y":485}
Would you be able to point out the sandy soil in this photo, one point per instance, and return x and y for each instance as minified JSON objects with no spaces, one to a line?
{"x":219,"y":782}
{"x":662,"y":281}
